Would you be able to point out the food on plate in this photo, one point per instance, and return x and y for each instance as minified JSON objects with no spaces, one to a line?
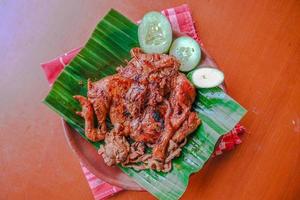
{"x":148,"y":103}
{"x":206,"y":77}
{"x":187,"y":51}
{"x":155,"y":33}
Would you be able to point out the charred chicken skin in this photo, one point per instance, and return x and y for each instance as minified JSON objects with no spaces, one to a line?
{"x":148,"y":101}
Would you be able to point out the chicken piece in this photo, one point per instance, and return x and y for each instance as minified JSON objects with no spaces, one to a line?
{"x":107,"y":97}
{"x":87,"y":113}
{"x":156,"y":61}
{"x":148,"y":127}
{"x":188,"y":126}
{"x":159,"y":150}
{"x":135,"y":100}
{"x":142,"y":65}
{"x":100,"y":95}
{"x":182,"y":97}
{"x":137,"y":149}
{"x":115,"y":150}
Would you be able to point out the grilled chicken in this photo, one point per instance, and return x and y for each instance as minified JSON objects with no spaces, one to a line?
{"x":148,"y":100}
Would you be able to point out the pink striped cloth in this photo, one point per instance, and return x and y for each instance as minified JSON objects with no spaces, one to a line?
{"x":181,"y":21}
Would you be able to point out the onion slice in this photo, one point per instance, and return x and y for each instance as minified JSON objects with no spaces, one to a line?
{"x":206,"y":77}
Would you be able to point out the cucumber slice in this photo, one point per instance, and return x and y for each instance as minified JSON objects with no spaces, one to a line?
{"x":187,"y":51}
{"x":155,"y":33}
{"x":206,"y":77}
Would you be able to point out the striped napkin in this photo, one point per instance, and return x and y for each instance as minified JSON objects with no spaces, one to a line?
{"x":181,"y":21}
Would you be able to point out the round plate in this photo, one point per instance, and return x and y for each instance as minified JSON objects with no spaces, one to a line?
{"x":90,"y":158}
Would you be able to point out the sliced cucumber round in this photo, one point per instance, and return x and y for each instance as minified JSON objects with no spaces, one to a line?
{"x":206,"y":77}
{"x":155,"y":33}
{"x":187,"y":51}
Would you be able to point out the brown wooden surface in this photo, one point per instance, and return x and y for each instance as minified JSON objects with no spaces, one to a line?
{"x":256,"y":44}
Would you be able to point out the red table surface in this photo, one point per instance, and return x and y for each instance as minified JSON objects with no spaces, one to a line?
{"x":256,"y":44}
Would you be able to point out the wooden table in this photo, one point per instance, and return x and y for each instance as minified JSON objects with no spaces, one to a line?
{"x":256,"y":44}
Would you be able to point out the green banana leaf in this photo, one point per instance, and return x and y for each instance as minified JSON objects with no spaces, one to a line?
{"x":109,"y":47}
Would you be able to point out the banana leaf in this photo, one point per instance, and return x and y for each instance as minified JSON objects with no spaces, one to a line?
{"x":107,"y":48}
